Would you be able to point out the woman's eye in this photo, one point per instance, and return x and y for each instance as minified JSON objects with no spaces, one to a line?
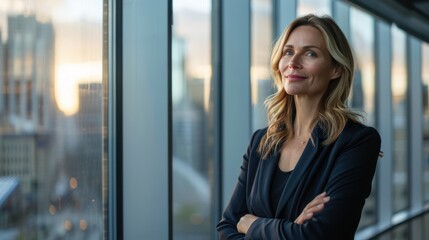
{"x":311,"y":54}
{"x":288,"y":52}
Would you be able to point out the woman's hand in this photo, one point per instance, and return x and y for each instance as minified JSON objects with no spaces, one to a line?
{"x":313,"y":207}
{"x":245,"y":221}
{"x":316,"y":205}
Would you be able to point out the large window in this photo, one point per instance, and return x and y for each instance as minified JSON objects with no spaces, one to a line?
{"x":400,"y":120}
{"x":262,"y":40}
{"x":51,"y":120}
{"x":363,"y":90}
{"x":192,"y":111}
{"x":425,"y":91}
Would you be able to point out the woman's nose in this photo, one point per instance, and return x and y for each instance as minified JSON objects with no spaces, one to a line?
{"x":294,"y":62}
{"x":293,"y":65}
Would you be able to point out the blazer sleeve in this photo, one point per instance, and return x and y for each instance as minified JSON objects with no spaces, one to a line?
{"x":349,"y":184}
{"x":237,"y":206}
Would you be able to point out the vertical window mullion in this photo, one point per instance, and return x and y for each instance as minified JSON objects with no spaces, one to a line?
{"x":236,"y":102}
{"x":416,"y":126}
{"x":383,"y":120}
{"x":114,"y":122}
{"x":146,"y":123}
{"x":216,"y":99}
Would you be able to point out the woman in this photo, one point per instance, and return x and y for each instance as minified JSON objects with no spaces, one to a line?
{"x":307,"y":175}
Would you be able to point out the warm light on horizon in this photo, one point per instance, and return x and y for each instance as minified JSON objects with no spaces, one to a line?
{"x":67,"y":79}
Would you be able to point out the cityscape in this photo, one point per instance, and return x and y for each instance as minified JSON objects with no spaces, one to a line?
{"x":51,"y":175}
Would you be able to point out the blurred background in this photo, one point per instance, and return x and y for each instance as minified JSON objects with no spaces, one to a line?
{"x":129,"y":119}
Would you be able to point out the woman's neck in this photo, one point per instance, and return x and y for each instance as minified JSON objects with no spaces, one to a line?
{"x":302,"y":127}
{"x":304,"y":118}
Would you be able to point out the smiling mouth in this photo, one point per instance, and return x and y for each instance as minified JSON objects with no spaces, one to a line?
{"x":293,"y":77}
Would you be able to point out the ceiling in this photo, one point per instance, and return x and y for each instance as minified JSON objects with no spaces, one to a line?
{"x":419,"y":6}
{"x":410,"y":15}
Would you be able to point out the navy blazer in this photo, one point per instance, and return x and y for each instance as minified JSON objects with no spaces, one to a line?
{"x":344,"y":169}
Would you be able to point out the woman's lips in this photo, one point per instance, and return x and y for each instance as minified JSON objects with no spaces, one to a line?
{"x":295,"y":77}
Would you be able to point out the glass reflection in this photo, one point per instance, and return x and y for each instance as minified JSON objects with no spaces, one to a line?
{"x":400,"y":120}
{"x":425,"y":90}
{"x":51,"y":120}
{"x":192,"y":137}
{"x":261,"y":40}
{"x":363,"y":91}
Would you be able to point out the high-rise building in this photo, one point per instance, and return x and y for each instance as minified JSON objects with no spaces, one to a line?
{"x":88,"y":150}
{"x":30,"y":68}
{"x":188,"y":120}
{"x":27,"y":107}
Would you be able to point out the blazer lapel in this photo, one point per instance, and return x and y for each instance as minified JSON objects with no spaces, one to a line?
{"x":301,"y":167}
{"x":260,"y":196}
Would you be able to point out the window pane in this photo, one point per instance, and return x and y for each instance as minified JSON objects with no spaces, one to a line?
{"x":424,"y":226}
{"x":192,"y":135}
{"x":262,"y":84}
{"x":400,"y":121}
{"x":363,"y":91}
{"x":319,"y":7}
{"x":51,"y":120}
{"x":401,"y":232}
{"x":425,"y":79}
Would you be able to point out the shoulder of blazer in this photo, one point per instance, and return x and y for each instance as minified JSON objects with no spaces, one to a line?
{"x":356,"y":132}
{"x":257,"y":136}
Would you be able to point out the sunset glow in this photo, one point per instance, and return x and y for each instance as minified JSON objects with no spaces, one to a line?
{"x":68,"y":76}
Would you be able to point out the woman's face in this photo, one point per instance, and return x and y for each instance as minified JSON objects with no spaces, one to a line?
{"x":306,"y":66}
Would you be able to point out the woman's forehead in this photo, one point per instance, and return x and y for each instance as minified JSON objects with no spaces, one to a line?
{"x":305,"y":36}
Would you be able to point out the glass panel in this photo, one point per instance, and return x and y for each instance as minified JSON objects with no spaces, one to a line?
{"x":425,"y":83}
{"x":51,"y":120}
{"x":192,"y":136}
{"x":401,"y":232}
{"x":362,"y":41}
{"x":424,"y":225}
{"x":417,"y":227}
{"x":262,"y":84}
{"x":319,"y":7}
{"x":400,"y":121}
{"x":363,"y":91}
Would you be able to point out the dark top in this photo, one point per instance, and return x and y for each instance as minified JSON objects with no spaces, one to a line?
{"x":277,"y":185}
{"x":343,"y":169}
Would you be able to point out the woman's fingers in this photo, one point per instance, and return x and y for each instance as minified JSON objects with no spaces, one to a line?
{"x":309,"y":213}
{"x":316,"y":201}
{"x":316,"y":205}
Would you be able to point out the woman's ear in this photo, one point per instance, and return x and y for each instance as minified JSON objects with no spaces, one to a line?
{"x":336,"y":72}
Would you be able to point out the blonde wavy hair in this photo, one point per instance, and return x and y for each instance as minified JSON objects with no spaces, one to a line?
{"x":333,"y":112}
